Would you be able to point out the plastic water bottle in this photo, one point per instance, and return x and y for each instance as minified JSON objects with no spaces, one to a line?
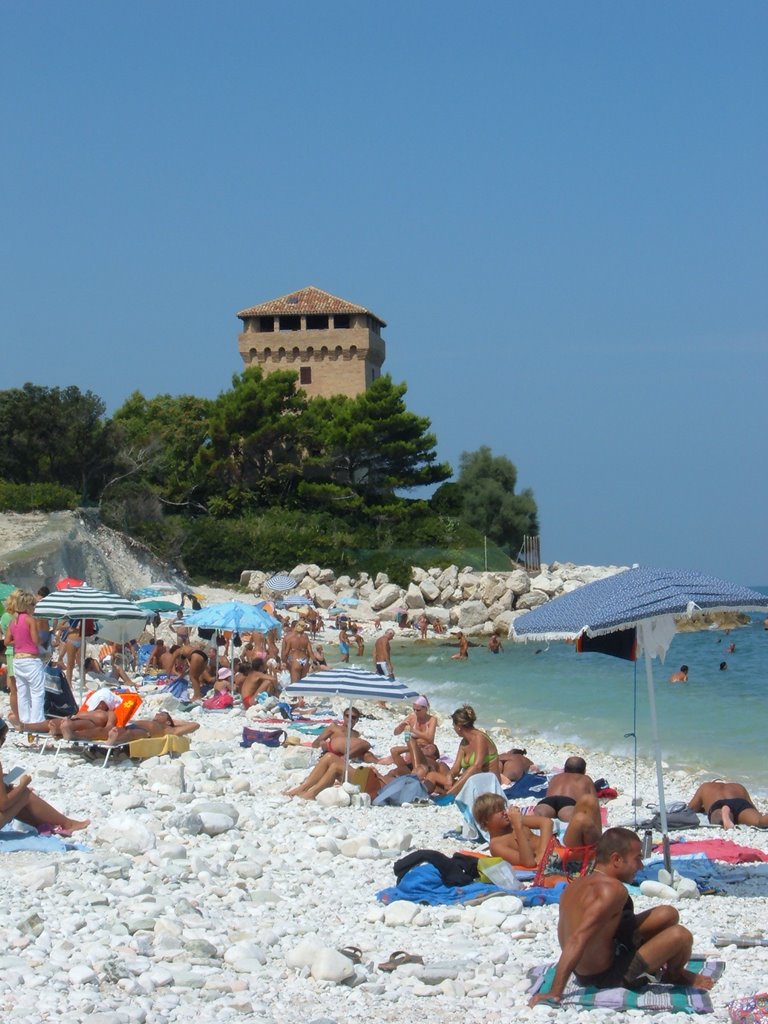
{"x":647,"y":843}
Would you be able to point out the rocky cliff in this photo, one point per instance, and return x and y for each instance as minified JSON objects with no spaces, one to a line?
{"x":40,"y":548}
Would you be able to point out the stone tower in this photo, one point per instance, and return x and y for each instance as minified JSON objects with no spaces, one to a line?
{"x":335,"y":346}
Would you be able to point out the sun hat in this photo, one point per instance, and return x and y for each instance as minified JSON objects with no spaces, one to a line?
{"x":421,"y":702}
{"x":224,"y":673}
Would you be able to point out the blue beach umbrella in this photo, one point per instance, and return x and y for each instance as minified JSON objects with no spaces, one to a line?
{"x":642,"y":599}
{"x":234,"y":615}
{"x":352,"y":683}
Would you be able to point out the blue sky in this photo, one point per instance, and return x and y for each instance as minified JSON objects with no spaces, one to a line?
{"x":559,"y":209}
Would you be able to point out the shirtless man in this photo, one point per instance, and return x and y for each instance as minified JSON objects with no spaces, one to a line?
{"x":256,"y":681}
{"x":494,"y":644}
{"x":512,"y":834}
{"x":382,"y":655}
{"x":344,"y":645}
{"x":565,"y":789}
{"x":727,"y":804}
{"x":297,"y":652}
{"x":146,"y":728}
{"x":155,"y":658}
{"x":604,"y":942}
{"x":681,"y":676}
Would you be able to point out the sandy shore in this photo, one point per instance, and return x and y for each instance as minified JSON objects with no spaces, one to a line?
{"x":156,"y":921}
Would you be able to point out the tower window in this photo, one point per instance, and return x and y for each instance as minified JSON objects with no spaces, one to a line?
{"x":317,"y":323}
{"x":290,"y":323}
{"x":342,"y":322}
{"x":266,"y":324}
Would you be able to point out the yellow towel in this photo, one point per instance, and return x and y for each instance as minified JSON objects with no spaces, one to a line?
{"x":156,"y":746}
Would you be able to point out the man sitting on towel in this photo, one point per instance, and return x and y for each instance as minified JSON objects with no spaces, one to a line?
{"x":565,"y":789}
{"x":727,"y":804}
{"x":604,"y":943}
{"x":150,"y":728}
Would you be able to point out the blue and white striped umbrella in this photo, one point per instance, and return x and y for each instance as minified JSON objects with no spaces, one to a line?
{"x":630,"y":598}
{"x":648,"y":600}
{"x":350,"y":682}
{"x":281,"y":582}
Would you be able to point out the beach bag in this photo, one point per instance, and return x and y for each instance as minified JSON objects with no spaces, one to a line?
{"x":205,"y":634}
{"x":679,"y":815}
{"x":269,"y":737}
{"x":366,"y":779}
{"x":497,"y":871}
{"x":749,"y":1009}
{"x":405,"y":789}
{"x":220,"y":702}
{"x":59,"y":701}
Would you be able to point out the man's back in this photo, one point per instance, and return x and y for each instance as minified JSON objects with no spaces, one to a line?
{"x":572,"y":785}
{"x":594,"y":901}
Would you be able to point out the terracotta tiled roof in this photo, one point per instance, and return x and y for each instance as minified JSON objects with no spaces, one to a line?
{"x":309,"y":300}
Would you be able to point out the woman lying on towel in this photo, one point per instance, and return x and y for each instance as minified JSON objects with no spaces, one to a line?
{"x":150,"y":728}
{"x":25,"y":805}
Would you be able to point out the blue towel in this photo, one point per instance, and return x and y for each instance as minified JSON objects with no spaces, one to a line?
{"x":11,"y":841}
{"x":423,"y":884}
{"x":529,"y":784}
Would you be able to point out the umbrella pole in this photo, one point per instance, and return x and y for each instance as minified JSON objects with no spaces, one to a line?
{"x":656,"y":746}
{"x":349,"y":742}
{"x":82,"y":658}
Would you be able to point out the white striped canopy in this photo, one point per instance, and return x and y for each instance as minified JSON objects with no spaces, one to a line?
{"x":87,"y":603}
{"x":281,"y":582}
{"x":350,"y":682}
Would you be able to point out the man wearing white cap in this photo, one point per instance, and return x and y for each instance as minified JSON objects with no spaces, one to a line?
{"x":97,"y":718}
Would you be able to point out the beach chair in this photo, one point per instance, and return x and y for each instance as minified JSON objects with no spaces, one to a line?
{"x":130,"y":703}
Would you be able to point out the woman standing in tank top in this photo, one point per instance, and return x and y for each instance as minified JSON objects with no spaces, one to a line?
{"x":23,"y":632}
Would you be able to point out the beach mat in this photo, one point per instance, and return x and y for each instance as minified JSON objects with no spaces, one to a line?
{"x":157,"y":746}
{"x":654,"y":998}
{"x":13,"y":841}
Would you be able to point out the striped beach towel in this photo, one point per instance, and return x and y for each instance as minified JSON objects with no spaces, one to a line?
{"x":668,"y":998}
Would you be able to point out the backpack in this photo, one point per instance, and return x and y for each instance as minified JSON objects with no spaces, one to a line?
{"x":679,"y":815}
{"x":405,"y":789}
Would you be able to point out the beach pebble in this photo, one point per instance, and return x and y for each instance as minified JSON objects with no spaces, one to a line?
{"x":215,"y":824}
{"x":81,"y":974}
{"x":336,"y":796}
{"x":401,"y":912}
{"x":329,"y":965}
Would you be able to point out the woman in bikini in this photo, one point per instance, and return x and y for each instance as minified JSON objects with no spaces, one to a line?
{"x":477,"y":753}
{"x":333,"y":739}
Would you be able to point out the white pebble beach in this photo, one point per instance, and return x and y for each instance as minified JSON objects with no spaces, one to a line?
{"x":157,"y":921}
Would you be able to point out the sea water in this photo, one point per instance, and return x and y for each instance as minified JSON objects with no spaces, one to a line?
{"x":715,"y":723}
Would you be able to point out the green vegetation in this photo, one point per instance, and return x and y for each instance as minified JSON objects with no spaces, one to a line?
{"x":263,"y":475}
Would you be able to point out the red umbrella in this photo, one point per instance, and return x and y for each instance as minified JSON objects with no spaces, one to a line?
{"x":68,"y":583}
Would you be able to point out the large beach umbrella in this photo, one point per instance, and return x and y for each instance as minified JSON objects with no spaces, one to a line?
{"x":352,"y":683}
{"x":159,"y":604}
{"x":87,"y":603}
{"x":235,"y":616}
{"x":642,"y":599}
{"x":281,"y":582}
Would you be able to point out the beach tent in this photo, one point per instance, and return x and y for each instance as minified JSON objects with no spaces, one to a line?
{"x":352,"y":683}
{"x":87,"y":603}
{"x":642,"y":599}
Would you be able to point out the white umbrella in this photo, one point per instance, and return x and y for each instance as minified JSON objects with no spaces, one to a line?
{"x":87,"y":603}
{"x":281,"y":582}
{"x":350,"y":682}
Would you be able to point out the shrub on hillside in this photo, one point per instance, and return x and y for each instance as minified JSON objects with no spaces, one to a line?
{"x":37,"y":497}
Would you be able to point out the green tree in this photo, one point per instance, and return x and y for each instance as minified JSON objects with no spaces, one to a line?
{"x":157,"y":442}
{"x":55,"y":435}
{"x":371,"y":444}
{"x":253,"y":452}
{"x":484,"y":496}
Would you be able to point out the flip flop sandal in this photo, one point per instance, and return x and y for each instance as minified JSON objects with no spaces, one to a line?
{"x":398,"y":959}
{"x":353,"y":953}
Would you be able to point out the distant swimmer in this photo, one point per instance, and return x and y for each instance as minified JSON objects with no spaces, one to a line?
{"x":723,"y":666}
{"x":494,"y":644}
{"x":730,"y":648}
{"x":727,"y":804}
{"x":681,"y":676}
